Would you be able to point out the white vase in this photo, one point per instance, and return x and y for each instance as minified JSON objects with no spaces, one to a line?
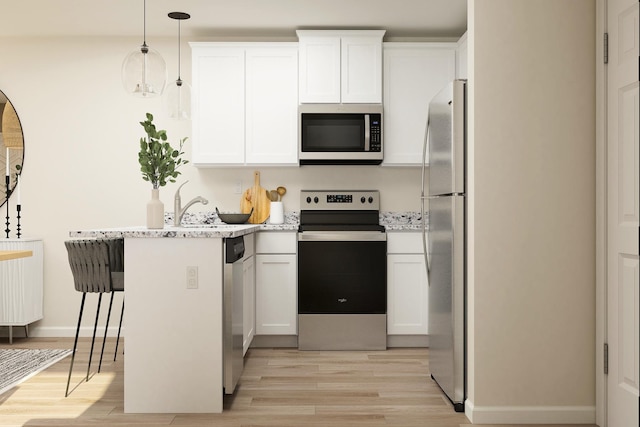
{"x":155,"y":210}
{"x":276,"y":213}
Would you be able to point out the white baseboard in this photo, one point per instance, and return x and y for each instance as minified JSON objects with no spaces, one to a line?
{"x":530,"y":414}
{"x":61,"y":332}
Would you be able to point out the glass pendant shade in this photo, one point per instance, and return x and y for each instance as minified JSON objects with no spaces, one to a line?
{"x":144,"y":73}
{"x":178,"y":99}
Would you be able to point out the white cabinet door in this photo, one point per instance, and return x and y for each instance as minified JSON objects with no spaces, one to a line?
{"x":319,"y":69}
{"x":218,"y":105}
{"x":413,"y":74}
{"x":406,"y":295}
{"x":272,"y":105}
{"x":361,"y":59}
{"x":276,"y":295}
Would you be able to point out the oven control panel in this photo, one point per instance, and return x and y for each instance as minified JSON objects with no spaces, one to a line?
{"x":340,"y":200}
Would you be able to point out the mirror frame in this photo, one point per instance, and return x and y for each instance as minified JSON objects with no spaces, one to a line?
{"x":16,"y":149}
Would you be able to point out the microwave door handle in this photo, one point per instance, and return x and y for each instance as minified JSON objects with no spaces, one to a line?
{"x":367,"y":133}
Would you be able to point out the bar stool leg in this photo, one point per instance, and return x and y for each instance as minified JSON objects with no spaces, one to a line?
{"x":75,"y":343}
{"x":93,"y":340}
{"x":115,"y":354}
{"x":10,"y":334}
{"x":104,"y":339}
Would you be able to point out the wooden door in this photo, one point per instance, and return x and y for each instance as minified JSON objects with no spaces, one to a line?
{"x":623,"y":187}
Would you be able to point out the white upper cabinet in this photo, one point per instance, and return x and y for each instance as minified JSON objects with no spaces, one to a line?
{"x":245,"y":101}
{"x":413,"y":74}
{"x":340,"y":66}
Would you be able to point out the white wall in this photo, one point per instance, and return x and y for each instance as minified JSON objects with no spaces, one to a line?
{"x":81,"y":142}
{"x":532,"y":211}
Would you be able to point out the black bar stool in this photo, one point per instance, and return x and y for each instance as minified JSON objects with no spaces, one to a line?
{"x":97,"y":267}
{"x":116,"y":263}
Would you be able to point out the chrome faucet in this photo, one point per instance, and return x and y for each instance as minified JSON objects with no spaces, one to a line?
{"x":178,"y":210}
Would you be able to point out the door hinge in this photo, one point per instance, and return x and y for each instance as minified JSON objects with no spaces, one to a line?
{"x":606,"y":48}
{"x":606,"y":358}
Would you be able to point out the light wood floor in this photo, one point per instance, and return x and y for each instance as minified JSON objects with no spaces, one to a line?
{"x":279,"y":387}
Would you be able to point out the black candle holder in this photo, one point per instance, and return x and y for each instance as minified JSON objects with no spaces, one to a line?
{"x":8,"y":193}
{"x":19,"y":209}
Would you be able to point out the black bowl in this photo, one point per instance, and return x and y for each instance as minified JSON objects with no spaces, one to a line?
{"x":233,"y":218}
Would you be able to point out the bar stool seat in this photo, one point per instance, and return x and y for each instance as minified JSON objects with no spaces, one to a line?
{"x":97,"y":267}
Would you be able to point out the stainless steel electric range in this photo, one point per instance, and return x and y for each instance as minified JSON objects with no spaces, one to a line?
{"x":342,"y":271}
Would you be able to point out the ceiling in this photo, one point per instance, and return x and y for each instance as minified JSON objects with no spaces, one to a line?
{"x":231,"y":18}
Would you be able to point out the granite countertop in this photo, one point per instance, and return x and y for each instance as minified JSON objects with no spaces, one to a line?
{"x":392,"y":221}
{"x":402,"y":221}
{"x":192,"y":231}
{"x":291,"y":221}
{"x":208,"y":225}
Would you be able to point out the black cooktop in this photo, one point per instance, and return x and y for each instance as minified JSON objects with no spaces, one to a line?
{"x":341,"y":227}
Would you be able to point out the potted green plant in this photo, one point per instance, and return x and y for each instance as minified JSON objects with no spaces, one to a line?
{"x":159,"y":163}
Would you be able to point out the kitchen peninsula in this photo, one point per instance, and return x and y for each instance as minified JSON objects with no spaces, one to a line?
{"x":174,"y":341}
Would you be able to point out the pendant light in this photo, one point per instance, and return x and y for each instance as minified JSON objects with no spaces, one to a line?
{"x":178,"y":97}
{"x":144,"y":72}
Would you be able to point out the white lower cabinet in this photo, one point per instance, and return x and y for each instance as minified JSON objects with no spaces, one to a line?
{"x":407,"y":288}
{"x":276,"y":284}
{"x":249,"y":299}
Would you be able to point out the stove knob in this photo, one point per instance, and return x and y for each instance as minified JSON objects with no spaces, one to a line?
{"x":370,"y":199}
{"x":362,"y":199}
{"x":308,"y":199}
{"x":316,"y":200}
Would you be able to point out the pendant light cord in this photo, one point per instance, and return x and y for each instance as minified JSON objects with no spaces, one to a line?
{"x":179,"y":16}
{"x":179,"y":50}
{"x":144,"y":22}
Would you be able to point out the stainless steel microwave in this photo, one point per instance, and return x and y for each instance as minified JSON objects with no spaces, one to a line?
{"x":333,"y":134}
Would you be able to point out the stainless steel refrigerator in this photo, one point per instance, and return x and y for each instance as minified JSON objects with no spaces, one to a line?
{"x":444,"y":238}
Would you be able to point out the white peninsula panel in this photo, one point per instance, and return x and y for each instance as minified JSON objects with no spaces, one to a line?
{"x":173,"y":360}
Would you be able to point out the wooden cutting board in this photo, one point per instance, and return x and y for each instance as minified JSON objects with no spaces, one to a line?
{"x":257,"y":198}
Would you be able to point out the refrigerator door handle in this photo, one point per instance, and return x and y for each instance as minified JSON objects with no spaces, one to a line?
{"x":423,"y":197}
{"x":424,"y":155}
{"x":427,"y":262}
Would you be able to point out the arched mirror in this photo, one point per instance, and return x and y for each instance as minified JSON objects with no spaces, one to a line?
{"x":11,"y":146}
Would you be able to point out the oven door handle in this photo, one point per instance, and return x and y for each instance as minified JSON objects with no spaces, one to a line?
{"x":342,"y":236}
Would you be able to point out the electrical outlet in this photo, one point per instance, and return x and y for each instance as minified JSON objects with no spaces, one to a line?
{"x":238,"y":189}
{"x":192,"y":277}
